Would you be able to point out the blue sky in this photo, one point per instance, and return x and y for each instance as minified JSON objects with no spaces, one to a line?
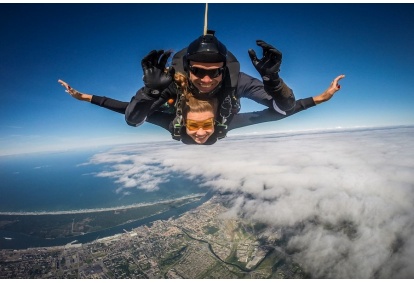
{"x":97,"y":49}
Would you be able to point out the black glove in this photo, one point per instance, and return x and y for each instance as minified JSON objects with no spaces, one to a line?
{"x":269,"y":66}
{"x":156,"y":79}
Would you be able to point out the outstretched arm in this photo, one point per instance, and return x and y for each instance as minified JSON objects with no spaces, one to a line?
{"x":105,"y":102}
{"x":267,"y":115}
{"x":330,"y":91}
{"x":74,"y":93}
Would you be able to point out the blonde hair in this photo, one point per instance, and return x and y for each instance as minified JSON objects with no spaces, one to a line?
{"x":191,"y":104}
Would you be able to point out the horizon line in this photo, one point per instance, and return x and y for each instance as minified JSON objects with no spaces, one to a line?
{"x":74,"y":148}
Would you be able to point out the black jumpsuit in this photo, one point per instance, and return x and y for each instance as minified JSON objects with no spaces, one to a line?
{"x":164,"y":119}
{"x":281,"y":100}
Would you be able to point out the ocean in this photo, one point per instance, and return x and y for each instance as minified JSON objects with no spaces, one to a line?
{"x":66,"y":181}
{"x":62,"y":181}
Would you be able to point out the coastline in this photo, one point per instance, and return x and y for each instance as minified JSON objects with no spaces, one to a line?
{"x":24,"y":241}
{"x":95,"y":210}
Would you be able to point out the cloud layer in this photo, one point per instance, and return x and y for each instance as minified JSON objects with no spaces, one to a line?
{"x":345,"y":198}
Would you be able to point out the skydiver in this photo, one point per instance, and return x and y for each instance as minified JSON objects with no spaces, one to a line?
{"x":200,"y":124}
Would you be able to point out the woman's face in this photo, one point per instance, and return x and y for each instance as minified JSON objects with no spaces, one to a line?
{"x":200,"y":126}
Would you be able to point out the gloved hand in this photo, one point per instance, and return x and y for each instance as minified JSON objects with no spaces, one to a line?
{"x":269,"y":66}
{"x":156,"y":78}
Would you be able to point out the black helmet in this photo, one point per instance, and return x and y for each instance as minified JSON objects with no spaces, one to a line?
{"x":207,"y":49}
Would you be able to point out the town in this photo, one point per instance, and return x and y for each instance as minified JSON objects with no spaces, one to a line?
{"x":202,"y":243}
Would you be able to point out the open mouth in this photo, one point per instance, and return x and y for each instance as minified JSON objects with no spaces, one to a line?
{"x":205,"y":87}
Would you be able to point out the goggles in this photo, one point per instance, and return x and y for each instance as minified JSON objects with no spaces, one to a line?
{"x":193,"y":125}
{"x":201,"y":73}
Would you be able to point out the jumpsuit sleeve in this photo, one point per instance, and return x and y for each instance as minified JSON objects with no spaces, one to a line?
{"x":158,"y":118}
{"x":109,"y":103}
{"x":268,"y":115}
{"x":143,"y":105}
{"x":280,"y":99}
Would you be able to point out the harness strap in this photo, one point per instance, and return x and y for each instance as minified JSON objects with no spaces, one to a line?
{"x":230,"y":104}
{"x":178,"y":120}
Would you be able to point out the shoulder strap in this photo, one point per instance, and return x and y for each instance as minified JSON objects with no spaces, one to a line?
{"x":229,"y":102}
{"x":233,"y":67}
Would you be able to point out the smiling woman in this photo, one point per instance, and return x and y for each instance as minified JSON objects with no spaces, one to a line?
{"x":199,"y":118}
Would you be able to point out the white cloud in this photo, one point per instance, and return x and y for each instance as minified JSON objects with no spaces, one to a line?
{"x":347,"y":195}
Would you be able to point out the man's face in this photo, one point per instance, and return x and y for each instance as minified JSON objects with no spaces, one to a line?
{"x":200,"y":126}
{"x":206,"y":76}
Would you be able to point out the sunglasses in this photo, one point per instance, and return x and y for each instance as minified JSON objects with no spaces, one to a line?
{"x":201,"y":73}
{"x":193,"y":125}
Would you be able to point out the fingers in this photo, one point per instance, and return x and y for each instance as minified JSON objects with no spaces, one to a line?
{"x":151,"y":59}
{"x":253,"y":57}
{"x":338,"y":78}
{"x":157,"y":57}
{"x":148,"y":57}
{"x":146,"y":61}
{"x":335,"y":82}
{"x":164,"y":59}
{"x":264,"y":45}
{"x":73,"y":92}
{"x":64,"y":84}
{"x":269,"y":50}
